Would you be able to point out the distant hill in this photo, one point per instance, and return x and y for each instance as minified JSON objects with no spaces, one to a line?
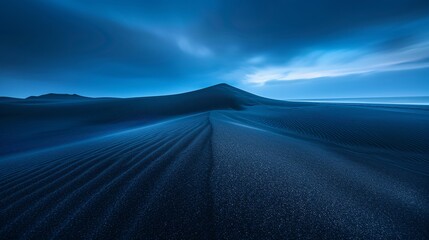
{"x":56,"y":96}
{"x":8,"y":99}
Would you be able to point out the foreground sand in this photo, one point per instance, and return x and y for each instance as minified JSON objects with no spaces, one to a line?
{"x":257,"y":170}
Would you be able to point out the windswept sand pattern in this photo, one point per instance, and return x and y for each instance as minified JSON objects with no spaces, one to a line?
{"x":114,"y":188}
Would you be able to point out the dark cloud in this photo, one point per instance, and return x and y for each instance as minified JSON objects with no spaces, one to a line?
{"x":262,"y":25}
{"x":161,"y":11}
{"x":36,"y":36}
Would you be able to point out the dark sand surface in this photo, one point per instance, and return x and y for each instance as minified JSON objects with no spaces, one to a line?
{"x":218,"y":163}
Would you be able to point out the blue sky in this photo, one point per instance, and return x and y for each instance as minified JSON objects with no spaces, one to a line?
{"x":280,"y":49}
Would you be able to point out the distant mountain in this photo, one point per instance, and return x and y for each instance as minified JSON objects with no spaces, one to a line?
{"x":8,"y":99}
{"x":56,"y":96}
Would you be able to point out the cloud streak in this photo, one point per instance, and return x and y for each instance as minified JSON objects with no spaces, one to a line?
{"x":338,"y":63}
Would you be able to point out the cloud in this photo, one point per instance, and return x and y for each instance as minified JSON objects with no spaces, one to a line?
{"x":193,"y":48}
{"x":256,"y":60}
{"x":39,"y":38}
{"x":338,"y":63}
{"x":283,"y":27}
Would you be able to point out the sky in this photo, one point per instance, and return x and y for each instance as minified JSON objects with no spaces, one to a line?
{"x":283,"y":49}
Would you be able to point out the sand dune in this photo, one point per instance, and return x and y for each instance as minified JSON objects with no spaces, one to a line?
{"x":218,"y":163}
{"x":69,"y":118}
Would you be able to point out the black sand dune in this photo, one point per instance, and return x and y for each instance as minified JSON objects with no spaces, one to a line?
{"x":217,"y":163}
{"x":67,"y":118}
